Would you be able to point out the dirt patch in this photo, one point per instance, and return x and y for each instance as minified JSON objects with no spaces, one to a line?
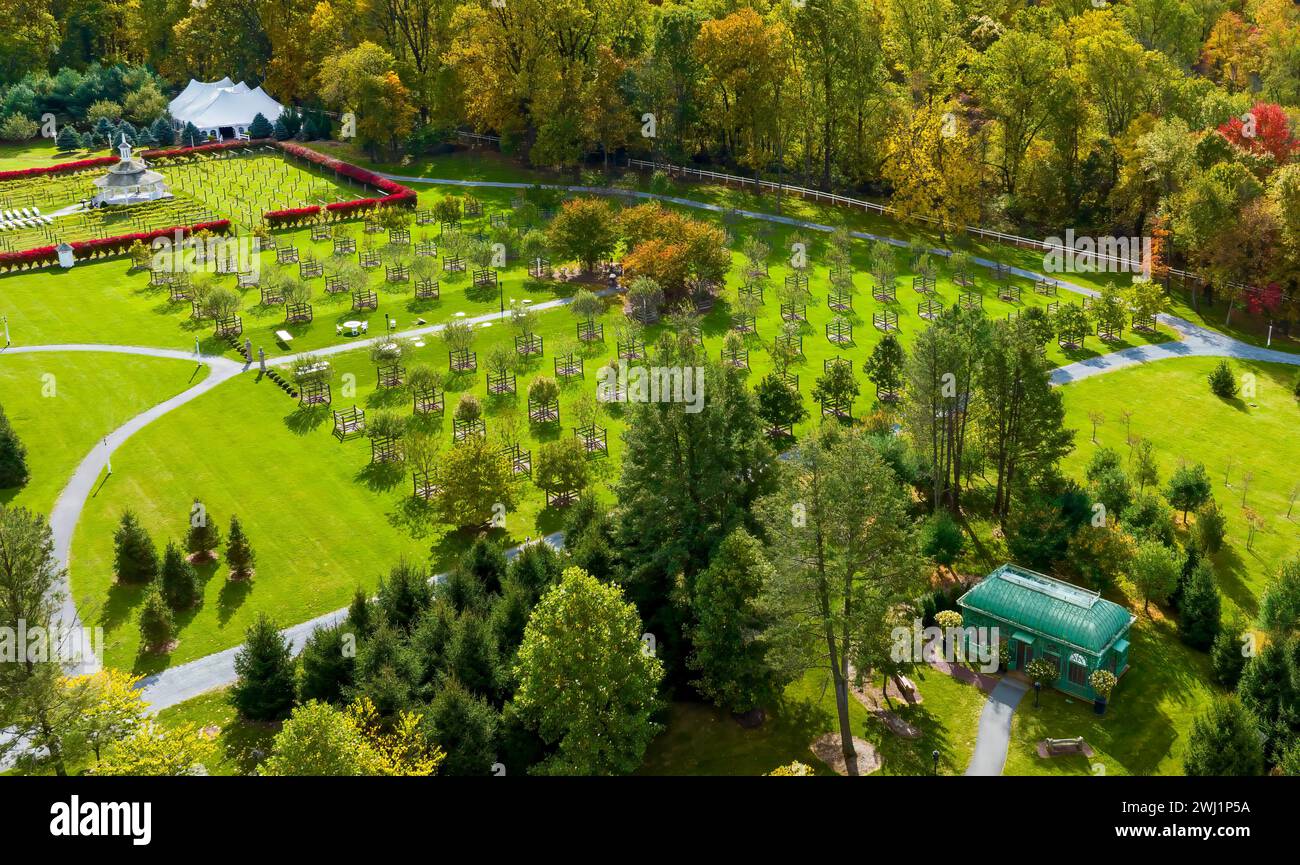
{"x":827,"y":748}
{"x":210,"y":732}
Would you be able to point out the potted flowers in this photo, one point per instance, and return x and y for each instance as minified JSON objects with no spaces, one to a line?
{"x":1103,"y":682}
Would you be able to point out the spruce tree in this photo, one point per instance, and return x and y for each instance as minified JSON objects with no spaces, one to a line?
{"x":1198,"y":622}
{"x":134,"y":558}
{"x":465,"y":727}
{"x":485,"y":561}
{"x":260,"y":127}
{"x":239,"y":553}
{"x":67,"y":140}
{"x":163,"y":132}
{"x":180,"y":583}
{"x":191,"y":137}
{"x":280,"y":131}
{"x":13,"y":456}
{"x":204,"y":536}
{"x":1224,"y":742}
{"x":360,"y":617}
{"x":1226,"y":657}
{"x":264,"y":690}
{"x":327,"y":666}
{"x":156,"y":626}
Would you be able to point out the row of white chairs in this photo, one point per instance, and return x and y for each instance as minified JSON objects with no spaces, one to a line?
{"x":14,"y":220}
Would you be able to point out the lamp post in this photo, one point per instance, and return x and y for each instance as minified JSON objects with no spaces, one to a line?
{"x":935,"y":755}
{"x":1038,"y":687}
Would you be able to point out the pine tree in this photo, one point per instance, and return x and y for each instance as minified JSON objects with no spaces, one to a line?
{"x":180,"y":583}
{"x":156,"y":626}
{"x":163,"y":132}
{"x":191,"y":137}
{"x":280,"y":131}
{"x":264,"y":690}
{"x":134,"y":557}
{"x":485,"y":561}
{"x":1198,"y":623}
{"x":1224,"y":742}
{"x":13,"y":456}
{"x":327,"y":666}
{"x":1222,"y":382}
{"x":360,"y":617}
{"x":204,"y":536}
{"x":239,"y":553}
{"x":260,"y":127}
{"x":1226,"y":656}
{"x":465,"y":727}
{"x":67,"y":139}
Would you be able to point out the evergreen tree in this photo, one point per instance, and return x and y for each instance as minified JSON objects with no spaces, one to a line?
{"x":260,"y":127}
{"x":485,"y":561}
{"x":360,"y":614}
{"x":1224,"y":742}
{"x":1198,"y":622}
{"x":204,"y":536}
{"x":1227,"y":659}
{"x":1222,"y":382}
{"x":264,"y":690}
{"x":731,"y":660}
{"x":239,"y":553}
{"x":465,"y":727}
{"x":472,"y":657}
{"x":156,"y":626}
{"x":135,"y":559}
{"x":103,"y":132}
{"x":13,"y":456}
{"x":327,"y":665}
{"x":180,"y":583}
{"x":67,"y":140}
{"x":537,"y":567}
{"x":191,"y":137}
{"x":1268,"y":689}
{"x":404,"y":595}
{"x":280,"y":131}
{"x":509,"y":615}
{"x":163,"y":132}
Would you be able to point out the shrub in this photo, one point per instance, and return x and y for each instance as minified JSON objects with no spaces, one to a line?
{"x":1211,"y":527}
{"x":239,"y":553}
{"x":1103,"y":682}
{"x":16,"y":127}
{"x":941,"y":538}
{"x":1222,"y":382}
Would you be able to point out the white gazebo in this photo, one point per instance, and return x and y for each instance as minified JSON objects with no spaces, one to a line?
{"x":130,"y":181}
{"x":221,"y":109}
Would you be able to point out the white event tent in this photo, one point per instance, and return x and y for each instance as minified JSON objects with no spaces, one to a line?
{"x":222,"y":109}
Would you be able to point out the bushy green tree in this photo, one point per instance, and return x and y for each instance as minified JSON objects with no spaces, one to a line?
{"x":327,"y":663}
{"x":465,"y":726}
{"x":1222,"y":381}
{"x":157,"y":628}
{"x":13,"y":456}
{"x":1154,"y":571}
{"x":729,"y":654}
{"x":1224,"y":742}
{"x":135,"y":560}
{"x":204,"y":536}
{"x":179,"y":583}
{"x":1199,"y":608}
{"x":260,"y":127}
{"x":264,"y":689}
{"x":941,"y":538}
{"x":239,"y":552}
{"x":1227,"y":655}
{"x":1188,"y":488}
{"x":586,"y":681}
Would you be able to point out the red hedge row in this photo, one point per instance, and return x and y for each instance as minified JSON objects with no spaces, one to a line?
{"x":103,"y":246}
{"x":60,"y":168}
{"x":292,"y":215}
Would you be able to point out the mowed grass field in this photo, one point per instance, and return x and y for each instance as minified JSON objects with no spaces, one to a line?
{"x":1173,"y":407}
{"x":62,"y":404}
{"x":322,"y":520}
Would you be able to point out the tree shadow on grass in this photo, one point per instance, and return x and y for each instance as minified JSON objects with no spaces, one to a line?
{"x":120,"y":605}
{"x":304,"y":420}
{"x":1231,"y":570}
{"x":381,"y":477}
{"x":415,"y":517}
{"x":387,"y":397}
{"x":246,"y":743}
{"x":231,"y":597}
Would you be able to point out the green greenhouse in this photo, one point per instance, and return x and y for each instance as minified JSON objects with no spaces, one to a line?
{"x":1038,"y":616}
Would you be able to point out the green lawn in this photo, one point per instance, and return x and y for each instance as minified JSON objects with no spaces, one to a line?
{"x":1173,"y":407}
{"x":321,"y":519}
{"x":700,"y":740}
{"x":1145,"y":728}
{"x":37,"y":152}
{"x":62,"y":404}
{"x":237,"y":740}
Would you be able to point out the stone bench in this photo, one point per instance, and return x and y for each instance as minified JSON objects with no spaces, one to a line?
{"x":1059,"y":747}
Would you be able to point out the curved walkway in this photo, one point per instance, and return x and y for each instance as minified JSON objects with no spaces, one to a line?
{"x":186,"y":680}
{"x":68,"y":507}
